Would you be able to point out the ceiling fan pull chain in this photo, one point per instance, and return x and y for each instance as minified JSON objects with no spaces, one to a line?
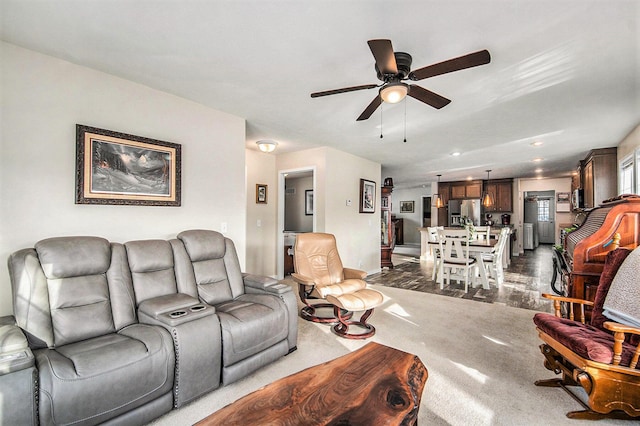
{"x":405,"y":120}
{"x":380,"y":122}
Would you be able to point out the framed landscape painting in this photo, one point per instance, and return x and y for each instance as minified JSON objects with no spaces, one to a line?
{"x":407,"y":206}
{"x":117,"y":168}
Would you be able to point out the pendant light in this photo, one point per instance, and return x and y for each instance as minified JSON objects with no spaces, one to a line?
{"x":438,"y":201}
{"x":487,"y":199}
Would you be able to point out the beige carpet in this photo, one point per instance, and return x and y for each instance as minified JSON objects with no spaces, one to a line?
{"x":482,"y":361}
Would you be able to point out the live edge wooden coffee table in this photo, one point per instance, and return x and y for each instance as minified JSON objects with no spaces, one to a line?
{"x":375,"y":385}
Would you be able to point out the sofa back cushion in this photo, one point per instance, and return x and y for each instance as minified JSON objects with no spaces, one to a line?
{"x":78,"y":291}
{"x":612,"y":263}
{"x":215,"y":265}
{"x":152,"y":268}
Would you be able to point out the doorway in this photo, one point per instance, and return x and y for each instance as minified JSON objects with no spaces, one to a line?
{"x":539,"y":218}
{"x":426,"y":212}
{"x":296,"y":213}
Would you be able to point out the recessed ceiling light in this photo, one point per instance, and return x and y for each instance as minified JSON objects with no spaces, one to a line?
{"x":469,"y":177}
{"x":455,"y":154}
{"x":537,"y":160}
{"x":537,"y":143}
{"x":538,"y":170}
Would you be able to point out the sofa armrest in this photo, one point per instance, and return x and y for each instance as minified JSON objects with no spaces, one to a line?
{"x":354,"y":274}
{"x":15,"y":354}
{"x":572,"y":302}
{"x":173,"y":309}
{"x":266,"y":284}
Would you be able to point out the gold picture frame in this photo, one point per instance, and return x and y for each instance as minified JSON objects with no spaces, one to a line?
{"x":261,"y":193}
{"x":122,"y":169}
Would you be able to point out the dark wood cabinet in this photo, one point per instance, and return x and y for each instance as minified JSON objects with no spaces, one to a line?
{"x":462,"y":190}
{"x":501,"y":191}
{"x":599,"y":177}
{"x":458,"y":191}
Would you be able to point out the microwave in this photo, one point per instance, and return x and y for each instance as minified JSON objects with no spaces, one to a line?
{"x":578,"y":199}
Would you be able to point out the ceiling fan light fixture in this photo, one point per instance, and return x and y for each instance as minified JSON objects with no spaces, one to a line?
{"x":267,"y":145}
{"x":392,"y":93}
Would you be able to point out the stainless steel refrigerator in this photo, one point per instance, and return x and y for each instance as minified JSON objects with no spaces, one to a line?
{"x":464,"y":208}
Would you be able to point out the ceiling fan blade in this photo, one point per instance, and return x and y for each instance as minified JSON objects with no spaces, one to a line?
{"x":428,"y":97}
{"x":375,"y":103}
{"x":383,"y":53}
{"x":344,"y":90}
{"x":456,"y":64}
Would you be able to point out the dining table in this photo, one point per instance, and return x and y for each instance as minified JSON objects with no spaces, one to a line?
{"x":477,"y":248}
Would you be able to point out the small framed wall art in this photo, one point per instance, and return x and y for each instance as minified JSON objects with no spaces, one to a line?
{"x":407,"y":206}
{"x":367,"y":196}
{"x":117,"y":168}
{"x":261,"y":193}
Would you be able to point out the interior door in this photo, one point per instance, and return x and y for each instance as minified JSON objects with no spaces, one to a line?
{"x":546,"y":229}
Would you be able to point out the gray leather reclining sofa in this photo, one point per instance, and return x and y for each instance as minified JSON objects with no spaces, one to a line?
{"x":122,"y":333}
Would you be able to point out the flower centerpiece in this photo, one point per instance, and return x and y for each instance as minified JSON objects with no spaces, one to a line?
{"x":468,"y":224}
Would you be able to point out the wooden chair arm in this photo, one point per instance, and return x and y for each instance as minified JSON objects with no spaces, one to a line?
{"x":557,"y":300}
{"x":616,"y":326}
{"x":619,"y":331}
{"x":302,"y":279}
{"x":353,"y":274}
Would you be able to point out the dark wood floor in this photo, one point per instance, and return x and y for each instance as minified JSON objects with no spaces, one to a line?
{"x":528,"y":276}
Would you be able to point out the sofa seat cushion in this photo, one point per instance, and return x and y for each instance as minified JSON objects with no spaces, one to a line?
{"x":250,"y":324}
{"x":110,"y":375}
{"x":585,"y":340}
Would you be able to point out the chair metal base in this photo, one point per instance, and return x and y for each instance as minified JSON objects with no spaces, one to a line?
{"x":309,"y":313}
{"x":342,"y":327}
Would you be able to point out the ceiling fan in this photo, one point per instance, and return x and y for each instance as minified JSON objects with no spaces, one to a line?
{"x":392,"y":68}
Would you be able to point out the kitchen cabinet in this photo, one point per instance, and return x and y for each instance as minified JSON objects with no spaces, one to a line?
{"x":599,"y":176}
{"x":502,"y":193}
{"x":387,"y":228}
{"x":462,"y":190}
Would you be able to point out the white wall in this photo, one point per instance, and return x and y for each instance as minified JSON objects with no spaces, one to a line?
{"x":337,"y":177}
{"x":42,"y":101}
{"x":261,"y":218}
{"x":629,"y":143}
{"x":411,"y":221}
{"x":358,"y":234}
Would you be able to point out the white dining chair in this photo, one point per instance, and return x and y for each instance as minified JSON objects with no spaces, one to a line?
{"x":493,"y":261}
{"x":434,"y":250}
{"x":483,"y":233}
{"x":455,"y":263}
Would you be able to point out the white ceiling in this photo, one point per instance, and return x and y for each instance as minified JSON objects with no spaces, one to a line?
{"x":566,"y":73}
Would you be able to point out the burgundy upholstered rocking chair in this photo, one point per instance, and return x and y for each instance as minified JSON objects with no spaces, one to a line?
{"x":600,"y":356}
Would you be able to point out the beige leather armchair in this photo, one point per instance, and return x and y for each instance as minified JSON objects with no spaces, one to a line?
{"x":320,"y":275}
